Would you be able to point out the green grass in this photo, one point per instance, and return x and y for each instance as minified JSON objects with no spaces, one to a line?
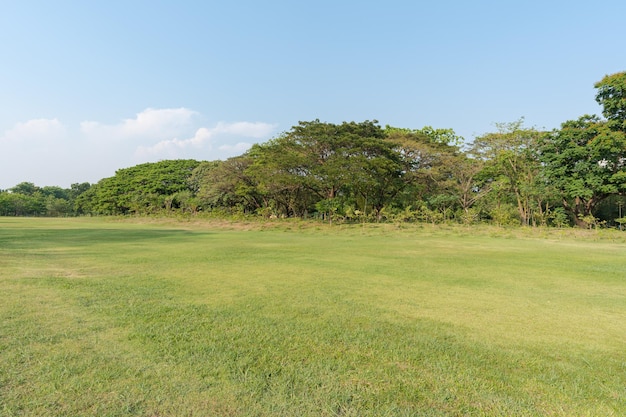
{"x":105,"y":317}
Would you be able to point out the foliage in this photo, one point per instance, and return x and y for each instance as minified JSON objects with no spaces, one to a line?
{"x":27,"y":199}
{"x":428,"y":169}
{"x":611,"y":95}
{"x":510,"y":160}
{"x":558,"y":217}
{"x":142,"y":189}
{"x":432,"y":135}
{"x":585,"y":163}
{"x":317,"y":161}
{"x":227,"y":185}
{"x":359,"y":171}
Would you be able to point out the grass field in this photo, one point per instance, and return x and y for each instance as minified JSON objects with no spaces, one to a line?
{"x":104,"y":317}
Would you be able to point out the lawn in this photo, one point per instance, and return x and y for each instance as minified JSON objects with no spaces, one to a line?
{"x":108,"y":317}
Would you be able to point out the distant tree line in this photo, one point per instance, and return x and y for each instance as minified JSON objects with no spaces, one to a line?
{"x":361,"y":171}
{"x":27,"y":199}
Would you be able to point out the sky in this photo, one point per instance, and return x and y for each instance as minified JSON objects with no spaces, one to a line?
{"x":90,"y":87}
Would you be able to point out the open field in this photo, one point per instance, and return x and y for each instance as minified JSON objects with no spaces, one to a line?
{"x":104,"y":317}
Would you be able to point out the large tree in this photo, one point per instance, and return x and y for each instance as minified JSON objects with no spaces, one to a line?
{"x":585,"y":161}
{"x":510,"y":158}
{"x":428,"y":157}
{"x":139,"y":189}
{"x":280,"y":172}
{"x":225,"y":185}
{"x":318,"y":164}
{"x":611,"y":95}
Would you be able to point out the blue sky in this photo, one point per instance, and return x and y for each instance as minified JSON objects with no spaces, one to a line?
{"x":88,"y":87}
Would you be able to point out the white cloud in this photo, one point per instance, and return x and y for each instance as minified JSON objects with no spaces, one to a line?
{"x":236,"y":149}
{"x":35,"y":130}
{"x":45,"y":152}
{"x":246,"y":129}
{"x":150,"y":123}
{"x":205,"y":138}
{"x":171,"y":147}
{"x":155,"y":134}
{"x":33,"y":151}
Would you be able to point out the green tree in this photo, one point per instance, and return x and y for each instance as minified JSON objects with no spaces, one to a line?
{"x":585,"y":162}
{"x":375,"y":171}
{"x":611,"y":95}
{"x":428,"y":158}
{"x":25,"y":188}
{"x":317,"y":161}
{"x":56,"y":207}
{"x":139,"y":189}
{"x":510,"y":158}
{"x":465,"y":183}
{"x":56,"y":192}
{"x":199,"y":174}
{"x":227,"y":185}
{"x":428,"y":134}
{"x":75,"y":192}
{"x":322,"y":151}
{"x":6,"y":204}
{"x":280,"y":173}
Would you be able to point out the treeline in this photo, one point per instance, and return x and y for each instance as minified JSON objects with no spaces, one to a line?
{"x":361,"y":171}
{"x":27,"y":199}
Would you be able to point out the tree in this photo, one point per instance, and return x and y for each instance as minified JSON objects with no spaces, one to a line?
{"x":227,"y":185}
{"x":6,"y":204}
{"x":428,"y":157}
{"x":585,"y":161}
{"x":56,"y":207}
{"x":74,"y":193}
{"x":56,"y":192}
{"x":25,"y":188}
{"x":322,"y":152}
{"x":375,"y":171}
{"x":465,"y":183}
{"x":611,"y":95}
{"x":428,"y":134}
{"x":315,"y":161}
{"x":27,"y":199}
{"x":199,"y":173}
{"x":139,"y":189}
{"x":280,"y":172}
{"x":510,"y":159}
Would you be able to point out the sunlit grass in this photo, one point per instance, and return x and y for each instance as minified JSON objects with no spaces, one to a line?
{"x":158,"y":318}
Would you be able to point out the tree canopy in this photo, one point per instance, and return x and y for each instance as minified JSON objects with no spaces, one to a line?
{"x":360,"y":171}
{"x":611,"y":95}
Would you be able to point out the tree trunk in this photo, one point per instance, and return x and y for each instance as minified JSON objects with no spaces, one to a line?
{"x":580,"y":209}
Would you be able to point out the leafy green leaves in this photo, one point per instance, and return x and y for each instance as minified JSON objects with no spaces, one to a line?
{"x":611,"y":96}
{"x":585,"y":161}
{"x":140,"y":189}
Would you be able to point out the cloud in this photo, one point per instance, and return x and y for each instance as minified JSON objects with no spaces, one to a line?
{"x":171,"y":147}
{"x":236,"y":149}
{"x":247,"y":129}
{"x":46,"y":152}
{"x":35,"y":130}
{"x":205,"y":139}
{"x":150,"y":123}
{"x":155,"y":134}
{"x":34,"y":150}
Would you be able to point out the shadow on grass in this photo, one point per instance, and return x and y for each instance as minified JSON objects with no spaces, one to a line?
{"x":67,"y":238}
